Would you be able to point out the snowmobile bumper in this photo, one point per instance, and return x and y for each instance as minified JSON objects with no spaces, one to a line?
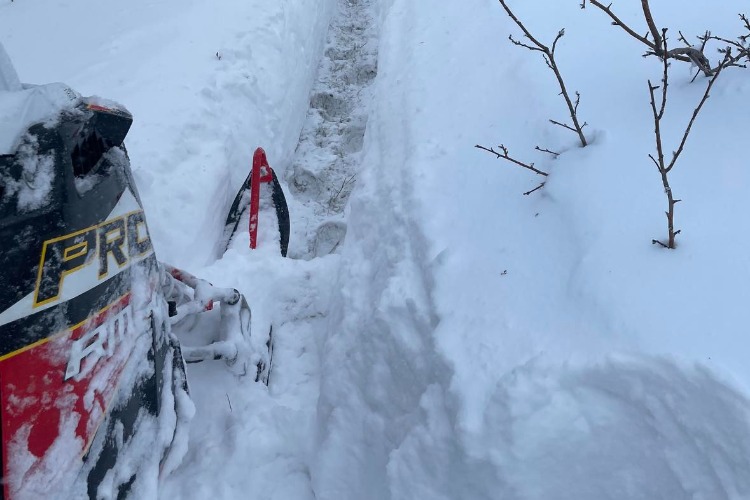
{"x":188,"y":295}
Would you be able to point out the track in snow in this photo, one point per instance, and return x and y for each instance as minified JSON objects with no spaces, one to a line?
{"x":324,"y":168}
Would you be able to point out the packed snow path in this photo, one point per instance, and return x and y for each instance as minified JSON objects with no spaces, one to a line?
{"x":324,"y":168}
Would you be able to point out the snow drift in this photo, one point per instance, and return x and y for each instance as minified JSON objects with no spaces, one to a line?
{"x":473,"y":347}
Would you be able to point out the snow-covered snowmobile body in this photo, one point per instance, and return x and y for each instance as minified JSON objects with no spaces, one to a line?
{"x":86,"y":359}
{"x":93,"y":388}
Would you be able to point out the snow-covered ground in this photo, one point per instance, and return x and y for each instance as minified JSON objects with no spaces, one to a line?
{"x":463,"y":341}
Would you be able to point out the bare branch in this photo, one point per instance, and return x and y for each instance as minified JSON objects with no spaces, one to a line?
{"x":657,"y":126}
{"x":746,"y":22}
{"x":683,"y":39}
{"x":549,"y":59}
{"x":560,"y":34}
{"x":503,"y":154}
{"x":657,"y":44}
{"x":617,"y":22}
{"x":521,"y":44}
{"x":547,"y":62}
{"x":545,"y":150}
{"x":655,"y":162}
{"x":526,"y":32}
{"x":697,"y":110}
{"x":665,"y":76}
{"x":563,"y":125}
{"x":659,"y":160}
{"x":540,"y":186}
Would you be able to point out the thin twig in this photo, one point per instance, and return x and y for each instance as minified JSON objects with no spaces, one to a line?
{"x":503,"y":154}
{"x":540,"y":186}
{"x":563,"y":125}
{"x":697,"y":110}
{"x":548,"y":54}
{"x":657,"y":43}
{"x":617,"y":22}
{"x":545,"y":150}
{"x":333,"y":199}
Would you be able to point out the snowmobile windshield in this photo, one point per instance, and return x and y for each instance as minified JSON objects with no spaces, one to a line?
{"x":22,"y":106}
{"x":9,"y":81}
{"x":31,"y":105}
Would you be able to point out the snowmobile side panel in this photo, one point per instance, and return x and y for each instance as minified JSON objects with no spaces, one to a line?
{"x":81,"y":312}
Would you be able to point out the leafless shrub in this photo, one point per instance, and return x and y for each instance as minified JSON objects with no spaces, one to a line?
{"x":658,"y":114}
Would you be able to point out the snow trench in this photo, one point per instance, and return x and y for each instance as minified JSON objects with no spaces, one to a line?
{"x":325,"y":166}
{"x":256,"y":441}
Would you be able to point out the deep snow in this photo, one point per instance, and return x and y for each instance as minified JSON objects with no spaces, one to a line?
{"x":464,"y":341}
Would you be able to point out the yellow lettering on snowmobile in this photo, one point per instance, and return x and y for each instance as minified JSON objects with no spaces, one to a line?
{"x":117,"y":240}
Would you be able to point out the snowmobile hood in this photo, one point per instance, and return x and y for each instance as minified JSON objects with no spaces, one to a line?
{"x":23,"y":108}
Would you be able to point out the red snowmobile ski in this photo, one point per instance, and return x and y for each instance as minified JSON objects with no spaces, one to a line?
{"x":93,"y":387}
{"x":248,"y":200}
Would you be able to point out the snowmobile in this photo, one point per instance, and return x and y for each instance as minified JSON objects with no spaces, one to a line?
{"x":94,"y":398}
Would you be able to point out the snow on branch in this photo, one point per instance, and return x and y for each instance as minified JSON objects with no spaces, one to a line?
{"x":689,"y":53}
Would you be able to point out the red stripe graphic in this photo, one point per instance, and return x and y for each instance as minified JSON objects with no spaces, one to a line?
{"x":55,"y":395}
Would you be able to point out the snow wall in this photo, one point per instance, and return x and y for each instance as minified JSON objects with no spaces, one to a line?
{"x":206,"y":82}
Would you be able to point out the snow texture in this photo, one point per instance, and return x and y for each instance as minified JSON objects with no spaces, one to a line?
{"x":438,"y":334}
{"x":32,"y":190}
